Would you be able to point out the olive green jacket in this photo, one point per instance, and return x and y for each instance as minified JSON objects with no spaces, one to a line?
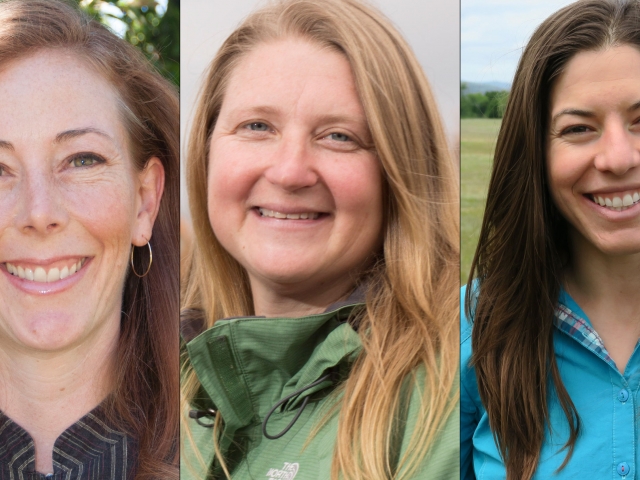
{"x":246,"y":366}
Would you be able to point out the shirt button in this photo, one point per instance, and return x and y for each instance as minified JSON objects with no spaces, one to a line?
{"x":623,"y":396}
{"x":623,"y":469}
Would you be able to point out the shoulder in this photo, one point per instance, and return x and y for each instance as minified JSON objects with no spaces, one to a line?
{"x":442,"y":458}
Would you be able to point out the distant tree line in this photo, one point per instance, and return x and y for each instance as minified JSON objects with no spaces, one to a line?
{"x":482,"y":105}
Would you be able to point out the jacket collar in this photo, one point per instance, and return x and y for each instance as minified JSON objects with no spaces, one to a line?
{"x":246,"y":365}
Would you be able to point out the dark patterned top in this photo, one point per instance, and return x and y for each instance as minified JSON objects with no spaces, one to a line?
{"x":90,"y":449}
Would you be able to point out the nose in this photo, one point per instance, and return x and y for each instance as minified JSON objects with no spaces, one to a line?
{"x":620,"y":150}
{"x":40,"y":208}
{"x":291,"y":165}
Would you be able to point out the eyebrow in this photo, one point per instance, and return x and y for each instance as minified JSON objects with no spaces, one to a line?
{"x":586,"y":113}
{"x":269,"y":110}
{"x":78,"y":132}
{"x":572,"y":111}
{"x":62,"y":136}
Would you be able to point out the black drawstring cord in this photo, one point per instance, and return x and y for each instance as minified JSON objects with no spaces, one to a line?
{"x":328,"y":376}
{"x":198,"y":414}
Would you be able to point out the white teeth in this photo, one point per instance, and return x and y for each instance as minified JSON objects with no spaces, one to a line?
{"x":616,"y":203}
{"x":289,"y":216}
{"x":627,"y":200}
{"x":53,"y":275}
{"x":41,"y":275}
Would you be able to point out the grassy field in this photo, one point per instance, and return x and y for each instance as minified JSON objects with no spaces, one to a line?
{"x":477,"y":143}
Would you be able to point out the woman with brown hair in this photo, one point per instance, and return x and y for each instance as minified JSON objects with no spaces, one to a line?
{"x":320,"y":308}
{"x":550,"y":364}
{"x":89,"y":176}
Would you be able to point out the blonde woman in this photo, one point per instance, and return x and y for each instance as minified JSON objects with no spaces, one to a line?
{"x":320,"y":305}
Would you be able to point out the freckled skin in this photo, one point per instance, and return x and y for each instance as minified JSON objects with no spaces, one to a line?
{"x":51,"y":208}
{"x":292,"y":134}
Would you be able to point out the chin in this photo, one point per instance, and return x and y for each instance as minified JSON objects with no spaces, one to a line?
{"x":50,"y":332}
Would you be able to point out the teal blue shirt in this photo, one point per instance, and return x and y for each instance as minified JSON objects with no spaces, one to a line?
{"x":606,"y":400}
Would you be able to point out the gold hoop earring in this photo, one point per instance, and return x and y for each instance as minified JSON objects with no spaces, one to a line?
{"x":150,"y":261}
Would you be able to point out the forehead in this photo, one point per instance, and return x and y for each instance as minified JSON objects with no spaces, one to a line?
{"x":52,"y":91}
{"x":599,"y":77}
{"x":293,"y":73}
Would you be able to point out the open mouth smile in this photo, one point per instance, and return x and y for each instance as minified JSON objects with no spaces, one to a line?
{"x":618,"y":202}
{"x":46,"y":274}
{"x":289,"y":216}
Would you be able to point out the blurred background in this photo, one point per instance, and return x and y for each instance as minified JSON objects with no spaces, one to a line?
{"x":493,"y":36}
{"x":153,"y":26}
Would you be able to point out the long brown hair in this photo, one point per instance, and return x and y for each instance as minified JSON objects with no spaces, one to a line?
{"x":516,"y":272}
{"x":145,"y":399}
{"x":411,"y":318}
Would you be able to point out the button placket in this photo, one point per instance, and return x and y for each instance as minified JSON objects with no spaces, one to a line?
{"x":624,"y":423}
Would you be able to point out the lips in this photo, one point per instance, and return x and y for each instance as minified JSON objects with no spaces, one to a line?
{"x":616,"y":201}
{"x":45,"y":273}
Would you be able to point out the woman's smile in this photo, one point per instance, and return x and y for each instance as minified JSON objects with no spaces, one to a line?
{"x":593,"y":155}
{"x":68,"y":202}
{"x":295,"y":187}
{"x":47,"y":271}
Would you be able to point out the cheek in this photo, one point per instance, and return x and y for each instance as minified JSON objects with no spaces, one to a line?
{"x":107,"y":211}
{"x":357,"y":190}
{"x":228,"y":185}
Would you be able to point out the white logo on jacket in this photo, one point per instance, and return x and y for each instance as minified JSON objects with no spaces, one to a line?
{"x":288,"y":472}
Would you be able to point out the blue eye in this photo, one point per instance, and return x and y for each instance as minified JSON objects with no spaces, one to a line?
{"x":339,"y":137}
{"x":85,"y":160}
{"x":258,"y":127}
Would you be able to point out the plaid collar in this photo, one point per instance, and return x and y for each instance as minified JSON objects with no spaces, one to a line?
{"x":572,"y":321}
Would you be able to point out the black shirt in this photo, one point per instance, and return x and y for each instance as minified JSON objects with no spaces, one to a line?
{"x":90,"y":449}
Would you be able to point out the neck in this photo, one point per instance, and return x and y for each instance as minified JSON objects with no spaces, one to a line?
{"x":602,"y":278}
{"x":69,"y":382}
{"x":606,"y":287}
{"x":292,"y":301}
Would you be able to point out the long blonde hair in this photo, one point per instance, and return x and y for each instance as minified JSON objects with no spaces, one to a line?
{"x":411,"y":317}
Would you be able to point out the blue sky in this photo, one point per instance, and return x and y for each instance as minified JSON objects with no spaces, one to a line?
{"x":494,"y":33}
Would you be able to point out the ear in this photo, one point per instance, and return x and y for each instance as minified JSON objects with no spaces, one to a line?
{"x":150,"y":188}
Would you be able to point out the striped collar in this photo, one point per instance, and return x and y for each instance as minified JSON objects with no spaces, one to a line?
{"x":90,"y":449}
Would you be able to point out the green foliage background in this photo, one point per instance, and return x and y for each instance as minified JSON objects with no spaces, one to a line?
{"x":482,"y":105}
{"x":146,"y":26}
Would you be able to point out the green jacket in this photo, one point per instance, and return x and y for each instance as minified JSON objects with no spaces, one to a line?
{"x":247,"y":365}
